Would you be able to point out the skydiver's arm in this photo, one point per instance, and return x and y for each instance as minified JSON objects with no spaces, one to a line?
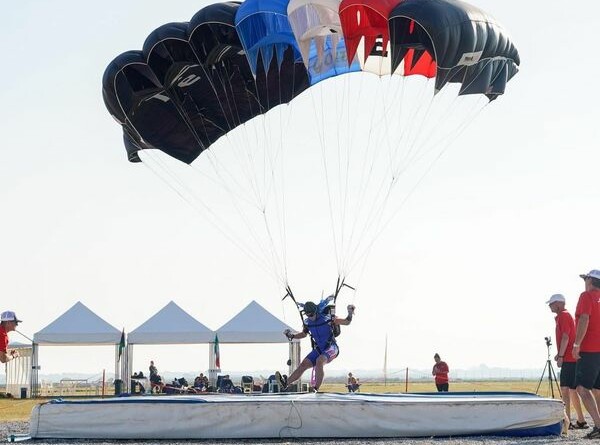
{"x":292,"y":336}
{"x":345,"y":321}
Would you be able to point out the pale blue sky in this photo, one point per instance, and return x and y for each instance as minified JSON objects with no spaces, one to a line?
{"x":506,"y":218}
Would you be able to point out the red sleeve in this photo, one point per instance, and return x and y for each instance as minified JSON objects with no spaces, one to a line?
{"x":445,"y":367}
{"x":583,"y":305}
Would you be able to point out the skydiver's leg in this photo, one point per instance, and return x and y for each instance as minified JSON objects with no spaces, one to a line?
{"x":329,"y":355}
{"x":306,"y":364}
{"x":319,"y":371}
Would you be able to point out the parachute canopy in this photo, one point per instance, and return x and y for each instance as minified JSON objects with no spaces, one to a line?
{"x":194,"y":82}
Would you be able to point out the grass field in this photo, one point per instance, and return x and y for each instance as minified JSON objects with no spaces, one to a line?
{"x":16,"y":409}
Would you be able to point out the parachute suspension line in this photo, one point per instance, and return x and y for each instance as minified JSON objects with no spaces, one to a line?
{"x":190,"y":198}
{"x":243,"y":217}
{"x":290,"y":294}
{"x":344,"y":187}
{"x":270,"y":159}
{"x":407,"y":133}
{"x":393,"y":150}
{"x":443,"y":139}
{"x":447,"y":144}
{"x":250,"y":177}
{"x":378,"y":207}
{"x":377,"y":210}
{"x":371,"y":153}
{"x":340,"y":236}
{"x":324,"y":159}
{"x":352,"y":129}
{"x":282,"y":214}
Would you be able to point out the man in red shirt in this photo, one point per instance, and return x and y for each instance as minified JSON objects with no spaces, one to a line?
{"x":565,"y":336}
{"x":8,"y":323}
{"x":440,"y":372}
{"x":586,"y":348}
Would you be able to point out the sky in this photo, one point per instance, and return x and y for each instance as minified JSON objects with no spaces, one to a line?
{"x":504,"y":219}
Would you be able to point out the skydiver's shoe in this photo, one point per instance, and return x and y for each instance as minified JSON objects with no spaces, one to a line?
{"x":281,"y":382}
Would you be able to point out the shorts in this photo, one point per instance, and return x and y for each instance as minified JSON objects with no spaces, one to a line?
{"x":567,"y":375}
{"x":331,"y":353}
{"x":442,"y":387}
{"x":588,"y":370}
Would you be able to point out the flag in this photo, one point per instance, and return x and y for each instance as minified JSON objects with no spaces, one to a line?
{"x":217,"y":354}
{"x":122,"y":343}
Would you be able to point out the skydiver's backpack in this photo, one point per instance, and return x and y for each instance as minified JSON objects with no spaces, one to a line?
{"x":327,"y":308}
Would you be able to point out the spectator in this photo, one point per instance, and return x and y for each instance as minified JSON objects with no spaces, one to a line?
{"x":586,"y":348}
{"x":440,"y":372}
{"x":200,"y":383}
{"x":156,"y":382}
{"x":565,"y":336}
{"x":8,"y":323}
{"x":352,"y":384}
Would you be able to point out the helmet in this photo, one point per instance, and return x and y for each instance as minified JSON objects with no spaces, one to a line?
{"x":310,"y":308}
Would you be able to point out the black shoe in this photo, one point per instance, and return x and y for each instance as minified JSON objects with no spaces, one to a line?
{"x":594,"y":434}
{"x":282,"y":384}
{"x":579,"y":425}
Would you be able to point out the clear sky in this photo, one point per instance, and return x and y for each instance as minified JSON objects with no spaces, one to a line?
{"x":507,"y":217}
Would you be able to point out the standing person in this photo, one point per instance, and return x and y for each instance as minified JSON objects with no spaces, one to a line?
{"x":565,"y":337}
{"x":325,"y":349}
{"x":8,"y":323}
{"x":153,"y":370}
{"x":586,"y":348}
{"x":440,"y":371}
{"x":155,"y":379}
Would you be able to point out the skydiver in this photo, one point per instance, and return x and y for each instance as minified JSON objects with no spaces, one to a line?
{"x":320,"y":327}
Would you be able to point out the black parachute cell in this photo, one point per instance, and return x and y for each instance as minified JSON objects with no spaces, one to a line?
{"x":136,"y":98}
{"x":468,"y":46}
{"x":192,"y":84}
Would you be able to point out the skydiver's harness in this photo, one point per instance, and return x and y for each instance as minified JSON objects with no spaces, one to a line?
{"x":328,"y":313}
{"x":328,"y":320}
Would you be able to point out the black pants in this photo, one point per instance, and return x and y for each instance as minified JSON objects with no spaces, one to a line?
{"x":442,"y":387}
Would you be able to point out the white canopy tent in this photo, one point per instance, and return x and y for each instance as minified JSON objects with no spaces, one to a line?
{"x":254,"y":324}
{"x":78,"y":326}
{"x":169,"y":326}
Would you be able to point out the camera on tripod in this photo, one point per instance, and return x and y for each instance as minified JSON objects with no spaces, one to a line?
{"x":552,"y":380}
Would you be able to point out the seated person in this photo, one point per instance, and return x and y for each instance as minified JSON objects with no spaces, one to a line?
{"x":225,"y":384}
{"x":352,"y":383}
{"x":156,"y":383}
{"x":199,"y":383}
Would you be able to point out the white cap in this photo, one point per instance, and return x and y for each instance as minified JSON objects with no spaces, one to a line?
{"x":556,"y":297}
{"x":9,"y":316}
{"x":591,"y":274}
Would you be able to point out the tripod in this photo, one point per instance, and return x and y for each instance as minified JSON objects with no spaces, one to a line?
{"x":552,"y":380}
